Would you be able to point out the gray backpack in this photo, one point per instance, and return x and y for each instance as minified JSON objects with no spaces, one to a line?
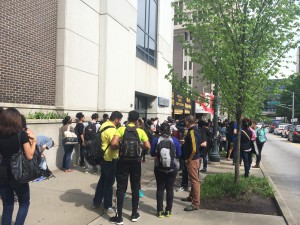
{"x":166,"y":154}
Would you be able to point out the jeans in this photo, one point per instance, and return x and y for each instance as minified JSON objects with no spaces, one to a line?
{"x":164,"y":181}
{"x":104,"y":189}
{"x":204,"y":161}
{"x":247,"y":158}
{"x":259,"y":148}
{"x":185,"y":175}
{"x":124,"y":169}
{"x":81,"y":151}
{"x":7,"y":190}
{"x":67,"y":156}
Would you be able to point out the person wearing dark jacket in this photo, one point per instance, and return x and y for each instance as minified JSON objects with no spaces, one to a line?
{"x":246,"y":136}
{"x":165,"y":177}
{"x":191,"y":145}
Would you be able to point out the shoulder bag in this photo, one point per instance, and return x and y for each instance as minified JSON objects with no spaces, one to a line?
{"x":22,"y":169}
{"x":70,"y":137}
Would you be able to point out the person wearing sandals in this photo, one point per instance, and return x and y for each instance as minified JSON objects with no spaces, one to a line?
{"x":165,"y":148}
{"x":67,"y":121}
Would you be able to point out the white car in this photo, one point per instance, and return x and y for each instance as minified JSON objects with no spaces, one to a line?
{"x":259,"y":125}
{"x":279,"y":129}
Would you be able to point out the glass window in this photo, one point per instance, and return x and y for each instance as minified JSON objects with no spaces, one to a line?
{"x":190,"y":65}
{"x":185,"y":65}
{"x":146,"y":44}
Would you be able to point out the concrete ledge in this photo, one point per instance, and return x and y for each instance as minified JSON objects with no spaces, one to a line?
{"x":286,"y":213}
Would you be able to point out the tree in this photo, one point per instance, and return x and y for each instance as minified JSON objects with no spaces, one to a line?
{"x":239,"y":45}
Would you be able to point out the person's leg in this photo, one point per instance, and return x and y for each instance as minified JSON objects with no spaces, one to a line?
{"x":109,"y":180}
{"x":69,"y":150}
{"x":23,"y":193}
{"x":258,"y":157}
{"x":122,"y":172}
{"x":7,"y":195}
{"x":81,"y":150}
{"x":99,"y":189}
{"x":170,"y":180}
{"x":185,"y":176}
{"x":245,"y":156}
{"x":192,"y":168}
{"x":135,"y":177}
{"x":230,"y":150}
{"x":160,"y":187}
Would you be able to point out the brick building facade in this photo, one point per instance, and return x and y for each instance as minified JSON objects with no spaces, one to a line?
{"x":28,"y":31}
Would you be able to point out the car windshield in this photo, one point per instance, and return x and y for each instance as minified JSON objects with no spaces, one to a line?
{"x":282,"y":126}
{"x":297,"y":128}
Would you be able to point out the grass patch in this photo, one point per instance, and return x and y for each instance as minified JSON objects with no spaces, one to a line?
{"x":216,"y":186}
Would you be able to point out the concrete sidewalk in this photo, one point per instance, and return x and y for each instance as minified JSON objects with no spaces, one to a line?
{"x":67,"y":200}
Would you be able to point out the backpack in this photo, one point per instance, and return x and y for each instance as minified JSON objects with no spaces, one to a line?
{"x":130,"y":149}
{"x":94,"y":154}
{"x":90,"y":131}
{"x":166,"y":154}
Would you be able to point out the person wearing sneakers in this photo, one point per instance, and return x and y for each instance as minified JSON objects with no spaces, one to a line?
{"x":104,"y":189}
{"x":165,"y":150}
{"x":129,"y":163}
{"x":191,"y":146}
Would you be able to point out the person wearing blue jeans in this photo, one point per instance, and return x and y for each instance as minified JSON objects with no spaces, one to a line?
{"x":67,"y":157}
{"x":185,"y":177}
{"x":7,"y":190}
{"x":246,"y":139}
{"x":104,"y":189}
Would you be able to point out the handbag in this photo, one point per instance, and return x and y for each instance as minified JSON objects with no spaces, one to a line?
{"x":70,"y":137}
{"x":22,"y":169}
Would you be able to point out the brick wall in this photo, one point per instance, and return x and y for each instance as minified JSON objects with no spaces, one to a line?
{"x":28,"y":51}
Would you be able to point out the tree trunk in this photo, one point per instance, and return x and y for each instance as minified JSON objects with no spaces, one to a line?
{"x":238,"y":146}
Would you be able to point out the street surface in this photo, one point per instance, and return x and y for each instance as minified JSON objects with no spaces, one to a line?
{"x":281,"y":159}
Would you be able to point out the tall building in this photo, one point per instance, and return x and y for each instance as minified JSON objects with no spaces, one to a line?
{"x":187,"y":70}
{"x":86,"y":55}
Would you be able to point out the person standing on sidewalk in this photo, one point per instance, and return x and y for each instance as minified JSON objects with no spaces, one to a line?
{"x":260,"y":141}
{"x":129,"y":163}
{"x":166,"y":150}
{"x":104,"y":189}
{"x":79,"y":130}
{"x":246,"y":139}
{"x":192,"y":143}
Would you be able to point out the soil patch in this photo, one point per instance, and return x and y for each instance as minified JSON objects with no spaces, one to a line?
{"x":251,"y":204}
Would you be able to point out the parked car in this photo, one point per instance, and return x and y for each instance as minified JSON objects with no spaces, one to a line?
{"x":286,"y":130}
{"x":279,"y":129}
{"x":294,"y":133}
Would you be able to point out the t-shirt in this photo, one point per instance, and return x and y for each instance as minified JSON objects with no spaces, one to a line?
{"x":79,"y":129}
{"x":107,"y":136}
{"x":10,"y":145}
{"x":142,"y":134}
{"x":246,"y":140}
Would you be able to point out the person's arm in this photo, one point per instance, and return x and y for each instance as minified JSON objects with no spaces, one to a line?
{"x":82,"y":134}
{"x":29,"y":147}
{"x":153,"y":147}
{"x":194,"y":145}
{"x":116,"y":139}
{"x":177,"y":146}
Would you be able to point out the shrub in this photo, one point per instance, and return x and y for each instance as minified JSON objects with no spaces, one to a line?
{"x":49,"y":115}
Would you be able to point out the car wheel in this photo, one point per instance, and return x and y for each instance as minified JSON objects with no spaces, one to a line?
{"x":292,"y":140}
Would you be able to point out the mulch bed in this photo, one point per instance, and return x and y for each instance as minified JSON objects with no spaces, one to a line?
{"x":250,"y":204}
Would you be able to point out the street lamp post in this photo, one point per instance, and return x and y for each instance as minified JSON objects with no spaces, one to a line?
{"x":293,"y":105}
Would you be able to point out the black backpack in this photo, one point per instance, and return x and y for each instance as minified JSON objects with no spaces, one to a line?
{"x":90,"y":131}
{"x":93,"y":151}
{"x":130,"y":149}
{"x":166,"y":154}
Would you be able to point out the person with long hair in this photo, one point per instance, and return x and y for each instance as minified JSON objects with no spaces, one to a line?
{"x":165,"y":177}
{"x":12,"y":138}
{"x":67,"y":121}
{"x":246,"y":139}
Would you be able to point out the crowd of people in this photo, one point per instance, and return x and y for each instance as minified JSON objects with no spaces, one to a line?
{"x":174,"y":144}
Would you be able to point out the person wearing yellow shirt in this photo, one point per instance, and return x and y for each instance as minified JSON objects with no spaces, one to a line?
{"x":104,"y":189}
{"x":129,"y":163}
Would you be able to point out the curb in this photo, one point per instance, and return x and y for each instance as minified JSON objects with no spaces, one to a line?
{"x":286,"y":213}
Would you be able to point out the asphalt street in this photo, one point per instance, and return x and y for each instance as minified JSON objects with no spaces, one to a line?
{"x":281,"y":159}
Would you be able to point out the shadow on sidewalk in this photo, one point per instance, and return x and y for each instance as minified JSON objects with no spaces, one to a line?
{"x":79,"y":198}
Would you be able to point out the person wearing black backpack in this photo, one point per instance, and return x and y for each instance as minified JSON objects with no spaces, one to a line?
{"x":129,"y":163}
{"x":104,"y":189}
{"x":165,"y":150}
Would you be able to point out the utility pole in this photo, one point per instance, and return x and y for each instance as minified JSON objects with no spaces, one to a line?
{"x":293,"y":108}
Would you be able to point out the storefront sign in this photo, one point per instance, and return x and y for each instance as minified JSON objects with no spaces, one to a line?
{"x":163,"y":102}
{"x":178,"y":101}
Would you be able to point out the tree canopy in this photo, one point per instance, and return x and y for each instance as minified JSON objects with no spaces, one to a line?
{"x":240,"y":44}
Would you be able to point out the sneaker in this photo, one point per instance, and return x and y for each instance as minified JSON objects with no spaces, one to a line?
{"x":203,"y":170}
{"x":190,"y":208}
{"x":141,"y":194}
{"x":182,"y":189}
{"x":95,"y":206}
{"x":110,"y":210}
{"x":167,"y":213}
{"x":186,"y":199}
{"x":116,"y":220}
{"x":160,"y":214}
{"x":135,"y":217}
